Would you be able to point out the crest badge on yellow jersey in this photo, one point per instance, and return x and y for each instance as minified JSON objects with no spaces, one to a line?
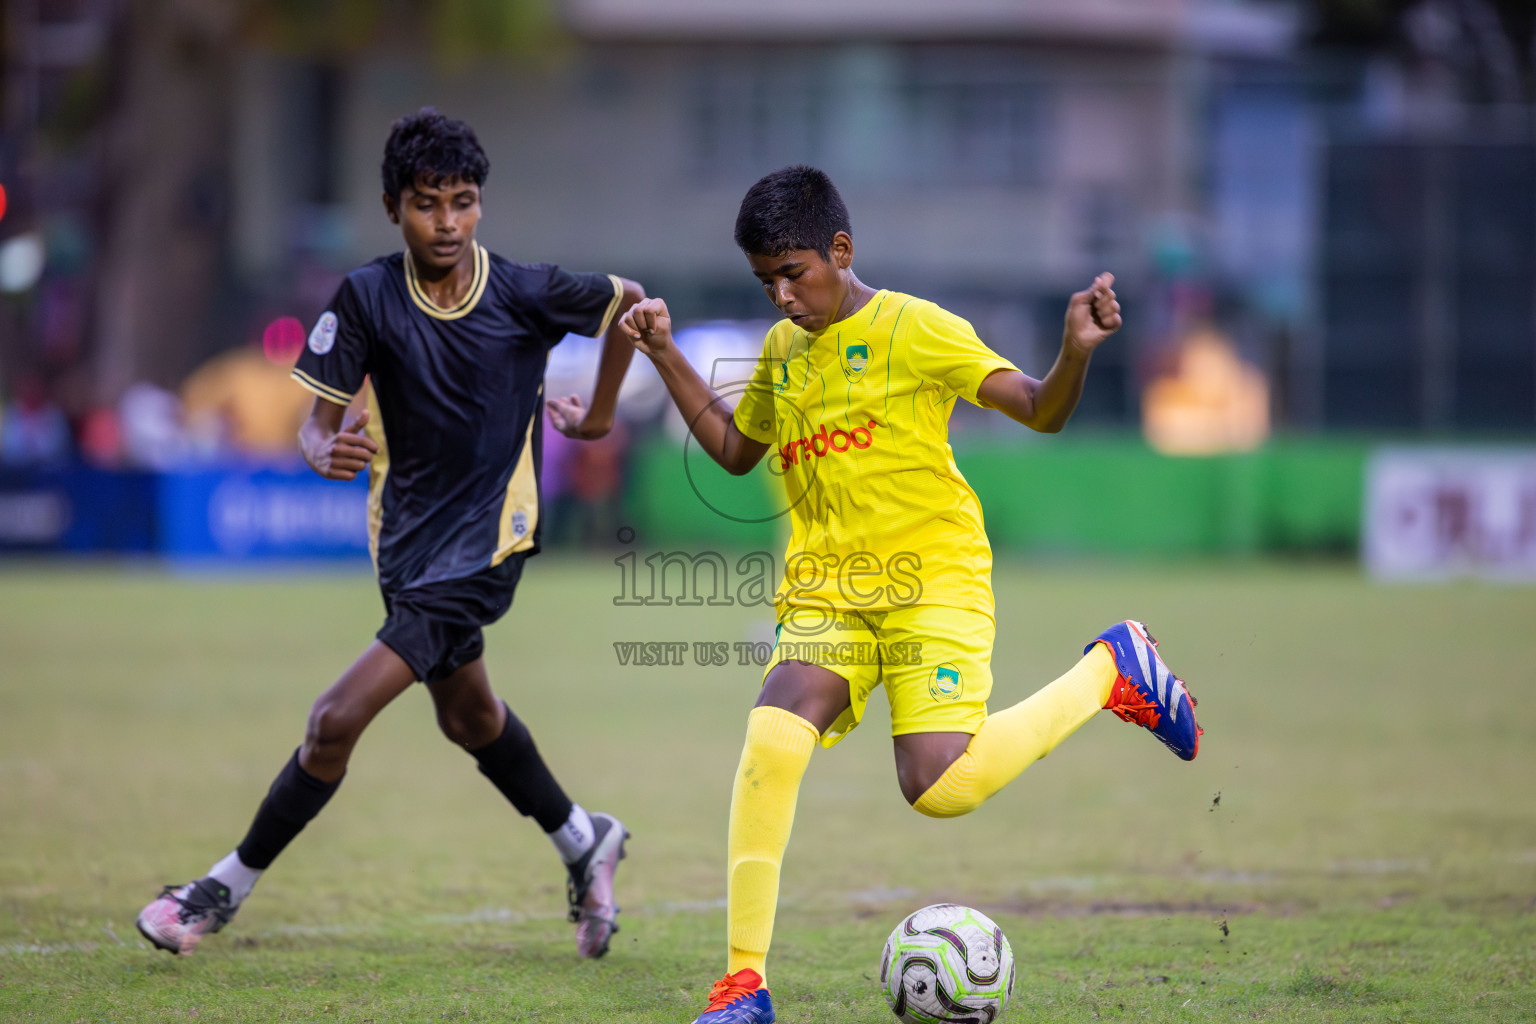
{"x":855,"y":361}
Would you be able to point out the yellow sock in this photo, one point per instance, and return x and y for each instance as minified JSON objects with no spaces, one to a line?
{"x":1016,"y":737}
{"x":777,"y":751}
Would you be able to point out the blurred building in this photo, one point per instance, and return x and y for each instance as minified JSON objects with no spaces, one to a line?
{"x":1357,"y":212}
{"x":1427,"y":267}
{"x":994,"y":154}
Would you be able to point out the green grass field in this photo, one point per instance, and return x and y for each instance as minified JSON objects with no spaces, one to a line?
{"x":1372,"y":856}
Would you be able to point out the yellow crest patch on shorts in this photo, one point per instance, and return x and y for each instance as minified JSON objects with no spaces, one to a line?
{"x":932,"y":661}
{"x":945,"y":683}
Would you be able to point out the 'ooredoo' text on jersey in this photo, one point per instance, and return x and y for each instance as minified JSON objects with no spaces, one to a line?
{"x":858,"y":417}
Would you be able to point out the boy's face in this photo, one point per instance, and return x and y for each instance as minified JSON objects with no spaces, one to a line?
{"x":438,"y":221}
{"x":807,"y":289}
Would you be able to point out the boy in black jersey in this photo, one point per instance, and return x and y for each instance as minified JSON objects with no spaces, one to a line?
{"x":453,"y":341}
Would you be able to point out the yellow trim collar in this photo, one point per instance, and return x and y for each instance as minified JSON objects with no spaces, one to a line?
{"x":476,"y":288}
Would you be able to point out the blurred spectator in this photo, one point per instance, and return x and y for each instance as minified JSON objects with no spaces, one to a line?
{"x":583,"y":483}
{"x":725,"y":352}
{"x":573,"y":366}
{"x":1212,"y":402}
{"x":34,"y":431}
{"x":596,"y":471}
{"x":149,"y":420}
{"x":555,"y":484}
{"x":101,"y":438}
{"x":244,"y":398}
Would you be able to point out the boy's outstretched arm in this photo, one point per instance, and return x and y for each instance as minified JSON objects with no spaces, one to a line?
{"x":567,"y":414}
{"x":1046,"y":405}
{"x":335,"y":451}
{"x":649,"y":326}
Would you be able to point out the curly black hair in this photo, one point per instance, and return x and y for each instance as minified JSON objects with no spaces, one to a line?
{"x":793,"y":208}
{"x":429,"y":148}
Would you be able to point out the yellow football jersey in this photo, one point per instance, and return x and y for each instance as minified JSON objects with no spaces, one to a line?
{"x":858,"y":419}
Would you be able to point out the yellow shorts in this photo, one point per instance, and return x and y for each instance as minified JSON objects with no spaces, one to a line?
{"x":935,"y":663}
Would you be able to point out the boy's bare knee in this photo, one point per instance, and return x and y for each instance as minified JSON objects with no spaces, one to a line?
{"x":470,"y":724}
{"x":914,"y":784}
{"x":331,"y":732}
{"x":332,"y":724}
{"x":921,"y":761}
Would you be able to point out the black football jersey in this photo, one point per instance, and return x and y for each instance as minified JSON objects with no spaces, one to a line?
{"x":455,"y":404}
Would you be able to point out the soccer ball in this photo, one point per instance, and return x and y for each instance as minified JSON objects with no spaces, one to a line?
{"x":949,"y":964}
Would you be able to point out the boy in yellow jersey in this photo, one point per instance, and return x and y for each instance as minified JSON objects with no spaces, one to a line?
{"x":887,"y":577}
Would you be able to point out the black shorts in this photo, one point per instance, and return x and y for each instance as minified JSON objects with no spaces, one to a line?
{"x":435,"y":627}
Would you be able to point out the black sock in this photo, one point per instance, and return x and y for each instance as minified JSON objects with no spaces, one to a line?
{"x":295,"y":797}
{"x":512,"y":762}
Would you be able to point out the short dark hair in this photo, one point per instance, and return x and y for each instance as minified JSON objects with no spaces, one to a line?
{"x":430,"y":148}
{"x":793,"y":208}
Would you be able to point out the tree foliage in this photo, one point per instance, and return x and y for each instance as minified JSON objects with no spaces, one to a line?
{"x":457,"y":31}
